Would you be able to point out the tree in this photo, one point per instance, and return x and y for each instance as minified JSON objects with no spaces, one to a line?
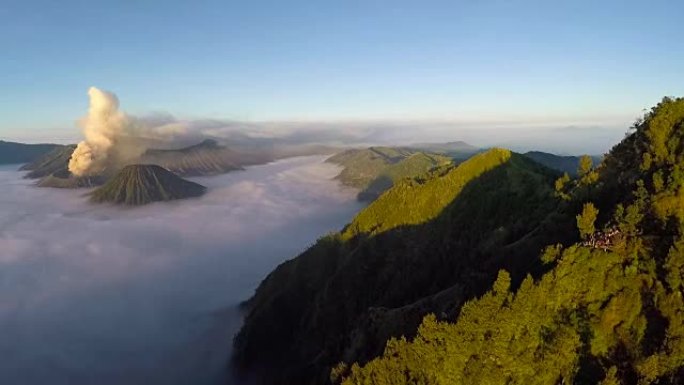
{"x":560,"y":186}
{"x":585,"y":165}
{"x":585,"y":220}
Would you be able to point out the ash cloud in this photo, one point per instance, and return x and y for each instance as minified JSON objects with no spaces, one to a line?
{"x":98,"y":294}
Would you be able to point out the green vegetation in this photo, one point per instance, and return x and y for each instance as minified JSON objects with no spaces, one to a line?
{"x":612,"y":315}
{"x":426,"y":245}
{"x":141,"y":184}
{"x":376,"y":169}
{"x":419,"y":200}
{"x":585,"y":220}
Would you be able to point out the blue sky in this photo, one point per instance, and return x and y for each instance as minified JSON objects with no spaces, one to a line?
{"x":510,"y":61}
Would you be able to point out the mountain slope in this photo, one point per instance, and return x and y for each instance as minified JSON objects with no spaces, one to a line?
{"x":568,"y":164}
{"x":14,"y":153}
{"x":205,"y":158}
{"x":376,"y":169}
{"x":609,"y":309}
{"x":426,"y":245}
{"x":141,"y":184}
{"x":457,"y":150}
{"x":53,"y":162}
{"x":64,"y":179}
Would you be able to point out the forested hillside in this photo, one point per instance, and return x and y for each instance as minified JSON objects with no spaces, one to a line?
{"x":610,"y":308}
{"x":426,"y":245}
{"x":376,"y":169}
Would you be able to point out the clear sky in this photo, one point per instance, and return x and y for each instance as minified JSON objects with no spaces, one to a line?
{"x":536,"y":61}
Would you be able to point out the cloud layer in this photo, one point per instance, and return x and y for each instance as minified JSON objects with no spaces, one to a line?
{"x":94,"y":294}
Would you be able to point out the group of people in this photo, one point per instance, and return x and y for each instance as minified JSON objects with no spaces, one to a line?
{"x":602,"y":239}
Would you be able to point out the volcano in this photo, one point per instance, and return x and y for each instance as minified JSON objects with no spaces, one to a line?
{"x":139,"y":184}
{"x":205,"y":158}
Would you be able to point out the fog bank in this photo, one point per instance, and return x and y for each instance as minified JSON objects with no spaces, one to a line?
{"x":98,"y":294}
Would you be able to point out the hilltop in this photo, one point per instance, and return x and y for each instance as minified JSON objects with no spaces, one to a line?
{"x":608,"y":309}
{"x":426,"y":245}
{"x":563,"y":163}
{"x":484,"y":274}
{"x":137,"y":185}
{"x":376,"y":169}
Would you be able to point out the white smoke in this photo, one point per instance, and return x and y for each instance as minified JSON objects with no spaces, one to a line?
{"x":102,"y":127}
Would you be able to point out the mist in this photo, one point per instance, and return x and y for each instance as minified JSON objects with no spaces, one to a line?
{"x":100,"y":294}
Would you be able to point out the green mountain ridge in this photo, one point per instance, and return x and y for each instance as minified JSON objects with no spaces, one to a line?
{"x":507,"y":283}
{"x":137,"y":185}
{"x":398,"y":260}
{"x":609,"y":310}
{"x":376,"y":169}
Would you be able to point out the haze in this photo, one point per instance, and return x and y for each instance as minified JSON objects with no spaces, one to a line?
{"x":95,"y":294}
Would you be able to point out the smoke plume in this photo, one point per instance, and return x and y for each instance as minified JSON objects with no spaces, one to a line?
{"x":103,"y":127}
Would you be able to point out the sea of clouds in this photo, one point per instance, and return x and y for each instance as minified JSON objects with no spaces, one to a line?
{"x":108,"y":295}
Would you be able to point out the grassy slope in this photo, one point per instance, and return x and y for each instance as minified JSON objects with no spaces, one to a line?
{"x":142,"y":184}
{"x":410,"y":167}
{"x":376,"y":169}
{"x":412,"y":202}
{"x":361,"y":167}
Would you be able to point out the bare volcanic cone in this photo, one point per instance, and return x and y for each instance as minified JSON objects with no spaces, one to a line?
{"x":140,"y":184}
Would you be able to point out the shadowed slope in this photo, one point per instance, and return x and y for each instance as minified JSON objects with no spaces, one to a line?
{"x":561,"y":163}
{"x":141,"y":184}
{"x":426,"y":245}
{"x":412,"y":166}
{"x":605,"y":313}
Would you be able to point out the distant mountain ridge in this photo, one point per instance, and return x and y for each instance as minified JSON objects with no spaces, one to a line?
{"x":15,"y":153}
{"x":205,"y":158}
{"x":457,"y":149}
{"x":562,"y":163}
